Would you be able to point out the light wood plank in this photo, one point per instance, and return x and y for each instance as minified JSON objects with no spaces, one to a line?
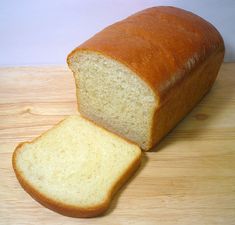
{"x":189,"y":178}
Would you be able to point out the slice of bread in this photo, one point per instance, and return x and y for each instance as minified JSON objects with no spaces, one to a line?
{"x":76,"y":167}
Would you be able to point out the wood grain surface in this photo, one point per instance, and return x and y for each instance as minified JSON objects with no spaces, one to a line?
{"x":189,"y":178}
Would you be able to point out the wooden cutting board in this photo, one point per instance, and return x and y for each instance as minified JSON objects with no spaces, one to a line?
{"x":189,"y":178}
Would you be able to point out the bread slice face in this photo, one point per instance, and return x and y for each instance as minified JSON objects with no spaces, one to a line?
{"x":76,"y":167}
{"x":112,"y":95}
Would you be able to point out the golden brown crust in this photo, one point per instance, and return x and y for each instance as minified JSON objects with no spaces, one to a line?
{"x":164,"y":46}
{"x":182,"y":99}
{"x":65,"y":209}
{"x":160,"y":44}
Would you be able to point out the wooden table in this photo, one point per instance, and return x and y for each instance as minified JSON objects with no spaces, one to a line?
{"x":188,"y":179}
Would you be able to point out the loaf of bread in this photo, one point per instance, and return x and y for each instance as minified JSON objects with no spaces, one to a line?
{"x":76,"y":167}
{"x":139,"y":77}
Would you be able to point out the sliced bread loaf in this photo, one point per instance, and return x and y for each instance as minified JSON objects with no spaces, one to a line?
{"x":140,"y":76}
{"x":76,"y":167}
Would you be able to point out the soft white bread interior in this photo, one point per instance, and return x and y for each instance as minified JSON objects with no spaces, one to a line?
{"x":75,"y":167}
{"x":111,"y":94}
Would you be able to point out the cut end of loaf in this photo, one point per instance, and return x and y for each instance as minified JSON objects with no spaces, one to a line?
{"x":75,"y":167}
{"x":112,"y":95}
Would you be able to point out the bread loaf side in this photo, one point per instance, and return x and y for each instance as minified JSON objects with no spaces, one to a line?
{"x":139,"y":77}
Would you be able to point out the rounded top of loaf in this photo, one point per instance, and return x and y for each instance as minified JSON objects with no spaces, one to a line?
{"x":160,"y":44}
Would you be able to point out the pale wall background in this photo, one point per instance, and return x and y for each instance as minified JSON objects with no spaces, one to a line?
{"x":44,"y":32}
